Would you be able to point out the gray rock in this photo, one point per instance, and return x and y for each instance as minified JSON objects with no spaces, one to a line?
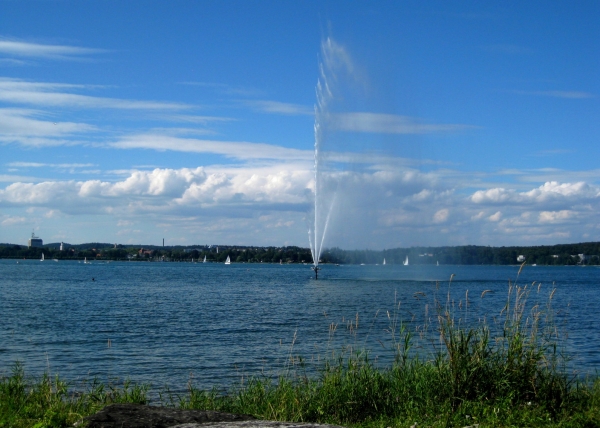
{"x":140,"y":416}
{"x":255,"y":424}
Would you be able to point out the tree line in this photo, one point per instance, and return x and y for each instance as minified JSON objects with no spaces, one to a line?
{"x":564,"y":254}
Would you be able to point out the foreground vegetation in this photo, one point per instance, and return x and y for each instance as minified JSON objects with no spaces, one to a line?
{"x":509,"y":371}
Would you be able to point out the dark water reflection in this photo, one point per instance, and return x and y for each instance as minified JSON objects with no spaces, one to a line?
{"x":169,"y":321}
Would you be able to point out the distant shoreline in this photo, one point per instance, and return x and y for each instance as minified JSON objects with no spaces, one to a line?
{"x":587,"y":253}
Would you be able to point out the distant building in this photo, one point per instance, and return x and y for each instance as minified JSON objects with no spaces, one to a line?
{"x":35,"y":242}
{"x":521,"y":259}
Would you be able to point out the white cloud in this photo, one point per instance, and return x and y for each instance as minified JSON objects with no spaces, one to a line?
{"x":555,"y":216}
{"x":229,"y":149}
{"x":373,"y":207}
{"x":12,"y":62}
{"x":169,"y":189}
{"x":496,"y":216}
{"x":189,"y":118}
{"x":4,"y":178}
{"x":55,"y":95}
{"x":19,"y":125}
{"x":549,"y":192}
{"x":388,"y":124}
{"x":38,"y":50}
{"x":278,"y":107}
{"x":11,"y":221}
{"x":441,"y":216}
{"x":478,"y":216}
{"x":51,"y":165}
{"x":565,"y":94}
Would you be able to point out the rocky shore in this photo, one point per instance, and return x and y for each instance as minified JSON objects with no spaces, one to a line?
{"x":141,"y":416}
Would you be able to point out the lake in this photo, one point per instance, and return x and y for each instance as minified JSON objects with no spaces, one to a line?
{"x":164,"y":323}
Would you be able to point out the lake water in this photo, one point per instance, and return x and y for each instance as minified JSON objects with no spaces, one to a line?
{"x":162,"y":323}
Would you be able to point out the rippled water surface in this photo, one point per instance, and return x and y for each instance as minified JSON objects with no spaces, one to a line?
{"x":161,"y":323}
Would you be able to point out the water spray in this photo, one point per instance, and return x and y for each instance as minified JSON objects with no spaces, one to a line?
{"x":332,"y":58}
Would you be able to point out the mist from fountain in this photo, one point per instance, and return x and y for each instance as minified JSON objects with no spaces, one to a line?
{"x":333,"y":63}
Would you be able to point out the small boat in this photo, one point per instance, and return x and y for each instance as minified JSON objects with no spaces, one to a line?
{"x":55,"y":260}
{"x":42,"y":259}
{"x":405,"y":263}
{"x":204,"y":261}
{"x":228,"y":261}
{"x":384,"y":260}
{"x":438,"y":263}
{"x":85,"y":262}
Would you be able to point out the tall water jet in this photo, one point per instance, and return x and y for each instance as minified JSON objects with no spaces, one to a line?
{"x":333,"y":61}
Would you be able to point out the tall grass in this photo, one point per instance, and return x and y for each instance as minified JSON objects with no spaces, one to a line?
{"x":504,"y":370}
{"x":510,"y":369}
{"x":47,"y":401}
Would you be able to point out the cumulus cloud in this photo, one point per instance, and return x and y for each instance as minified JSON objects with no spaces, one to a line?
{"x":370,"y":208}
{"x":171,"y":188}
{"x":496,"y":216}
{"x":441,"y":216}
{"x":549,"y":192}
{"x":555,"y":216}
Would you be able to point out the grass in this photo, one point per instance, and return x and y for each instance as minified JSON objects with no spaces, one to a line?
{"x":507,"y":371}
{"x":47,"y":401}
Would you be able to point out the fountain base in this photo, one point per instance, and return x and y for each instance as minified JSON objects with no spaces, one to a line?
{"x":316,"y":269}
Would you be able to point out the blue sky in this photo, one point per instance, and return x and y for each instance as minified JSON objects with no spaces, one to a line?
{"x":448,"y":123}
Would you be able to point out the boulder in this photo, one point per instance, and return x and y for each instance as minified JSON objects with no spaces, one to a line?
{"x":255,"y":424}
{"x":140,"y":416}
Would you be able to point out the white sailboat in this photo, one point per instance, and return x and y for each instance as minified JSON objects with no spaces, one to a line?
{"x":384,"y":260}
{"x":405,"y":263}
{"x":438,"y":263}
{"x":228,"y":261}
{"x":42,"y":259}
{"x":204,"y":261}
{"x":85,"y":262}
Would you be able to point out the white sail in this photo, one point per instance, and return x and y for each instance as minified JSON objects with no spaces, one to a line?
{"x":228,"y":261}
{"x":42,"y":259}
{"x":204,"y":261}
{"x":405,"y":261}
{"x":384,"y":260}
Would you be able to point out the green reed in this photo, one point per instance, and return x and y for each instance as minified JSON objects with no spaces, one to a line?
{"x":48,"y":402}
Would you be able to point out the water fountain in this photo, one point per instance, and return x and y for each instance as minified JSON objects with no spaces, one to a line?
{"x":332,"y":59}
